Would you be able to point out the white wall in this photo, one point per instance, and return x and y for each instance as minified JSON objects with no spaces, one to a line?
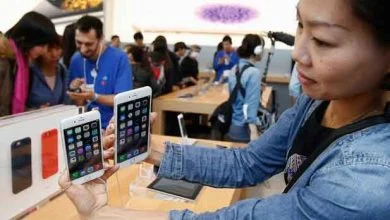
{"x":119,"y":20}
{"x":13,"y":10}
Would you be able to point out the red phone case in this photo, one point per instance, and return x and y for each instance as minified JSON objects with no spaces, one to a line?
{"x":49,"y":153}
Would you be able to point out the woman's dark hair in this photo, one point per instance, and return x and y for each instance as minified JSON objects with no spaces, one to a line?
{"x":219,"y":47}
{"x":87,"y":23}
{"x":31,"y":30}
{"x":248,"y":45}
{"x":376,"y":14}
{"x":227,"y":38}
{"x":160,"y":45}
{"x":57,"y":43}
{"x":69,"y":43}
{"x":157,"y":57}
{"x":140,"y":57}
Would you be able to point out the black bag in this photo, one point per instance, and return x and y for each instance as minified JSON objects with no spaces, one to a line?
{"x":222,"y":115}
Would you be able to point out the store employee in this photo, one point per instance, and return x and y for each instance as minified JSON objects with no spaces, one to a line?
{"x":99,"y":71}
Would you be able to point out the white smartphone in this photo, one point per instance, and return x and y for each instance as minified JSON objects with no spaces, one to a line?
{"x":132,"y":120}
{"x":82,"y":141}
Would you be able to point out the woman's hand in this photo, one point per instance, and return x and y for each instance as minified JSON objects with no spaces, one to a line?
{"x":156,"y":154}
{"x":91,"y":196}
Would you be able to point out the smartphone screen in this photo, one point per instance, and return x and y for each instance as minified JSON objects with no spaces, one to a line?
{"x":21,"y":164}
{"x":49,"y":140}
{"x":132,"y":128}
{"x":83,"y":149}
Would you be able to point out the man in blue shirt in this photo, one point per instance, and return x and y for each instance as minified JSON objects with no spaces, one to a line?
{"x":99,"y":71}
{"x":225,"y":59}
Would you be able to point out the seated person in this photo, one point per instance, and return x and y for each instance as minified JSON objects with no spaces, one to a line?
{"x":332,"y":145}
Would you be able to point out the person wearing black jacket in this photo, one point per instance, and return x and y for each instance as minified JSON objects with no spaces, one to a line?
{"x":189,"y":66}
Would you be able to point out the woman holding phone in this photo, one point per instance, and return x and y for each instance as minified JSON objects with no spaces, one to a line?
{"x":340,"y":126}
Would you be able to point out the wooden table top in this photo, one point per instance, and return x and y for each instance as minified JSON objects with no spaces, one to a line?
{"x":209,"y":199}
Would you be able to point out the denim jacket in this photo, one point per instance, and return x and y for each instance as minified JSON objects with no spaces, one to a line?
{"x":250,"y":80}
{"x":349,"y":180}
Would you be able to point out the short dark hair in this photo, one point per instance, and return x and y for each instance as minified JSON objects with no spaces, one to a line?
{"x":179,"y":45}
{"x":138,"y":36}
{"x":31,"y":30}
{"x":248,"y":45}
{"x":114,"y":37}
{"x":87,"y":22}
{"x":227,"y":38}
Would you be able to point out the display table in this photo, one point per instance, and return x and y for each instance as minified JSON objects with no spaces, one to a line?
{"x":209,"y":199}
{"x":204,"y":103}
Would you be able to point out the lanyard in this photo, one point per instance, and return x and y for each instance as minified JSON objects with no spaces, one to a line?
{"x":94,"y":71}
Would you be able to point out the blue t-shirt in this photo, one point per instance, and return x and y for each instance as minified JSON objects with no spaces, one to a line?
{"x":219,"y":68}
{"x":113,"y":76}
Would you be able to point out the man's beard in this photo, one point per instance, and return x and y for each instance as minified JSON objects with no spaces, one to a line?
{"x":92,"y":56}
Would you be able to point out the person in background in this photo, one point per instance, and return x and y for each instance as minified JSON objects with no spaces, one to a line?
{"x":189,"y":67}
{"x":335,"y":167}
{"x":294,"y":86}
{"x":68,"y":40}
{"x":180,"y":49}
{"x":170,"y":63}
{"x":48,"y":79}
{"x":115,"y":41}
{"x":225,"y":59}
{"x":244,"y":123}
{"x":160,"y":44}
{"x":100,"y":71}
{"x":127,"y":49}
{"x":139,"y":41}
{"x":157,"y":64}
{"x":142,"y":71}
{"x":23,"y":43}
